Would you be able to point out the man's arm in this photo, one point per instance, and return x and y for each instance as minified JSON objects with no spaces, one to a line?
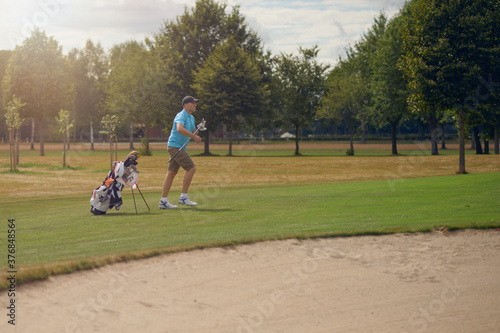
{"x":182,"y":130}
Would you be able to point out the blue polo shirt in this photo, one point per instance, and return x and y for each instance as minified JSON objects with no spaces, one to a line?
{"x":176,"y":139}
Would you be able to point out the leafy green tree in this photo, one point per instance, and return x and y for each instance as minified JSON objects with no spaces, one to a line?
{"x":151,"y":97}
{"x":89,"y":68}
{"x":4,"y":61}
{"x":299,"y":85}
{"x":38,"y":73}
{"x":389,"y":91}
{"x":124,"y":61}
{"x":231,"y":87}
{"x":193,"y":36}
{"x":64,"y":127}
{"x":139,"y":87}
{"x":448,"y":47}
{"x":188,"y":41}
{"x":361,"y":57}
{"x":350,"y":86}
{"x":345,"y":97}
{"x":110,"y":125}
{"x":14,"y":121}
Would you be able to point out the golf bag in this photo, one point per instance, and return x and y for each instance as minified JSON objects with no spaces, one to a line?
{"x":108,"y":195}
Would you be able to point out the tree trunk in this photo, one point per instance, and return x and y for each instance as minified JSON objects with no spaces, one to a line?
{"x":67,"y":134}
{"x":12,"y":151}
{"x":231,"y":142}
{"x":297,"y":140}
{"x":351,"y":142}
{"x":421,"y":131}
{"x":207,"y":142}
{"x":64,"y":151}
{"x":486,"y":147}
{"x":431,"y":119}
{"x":495,"y":138}
{"x":146,"y":139}
{"x":443,"y":135}
{"x":350,"y":129}
{"x":111,"y":151}
{"x":74,"y":133}
{"x":131,"y":136}
{"x":91,"y":135}
{"x":32,"y":134}
{"x":363,"y":131}
{"x":42,"y":147}
{"x":17,"y":146}
{"x":394,"y":137}
{"x":461,"y":138}
{"x":477,"y":140}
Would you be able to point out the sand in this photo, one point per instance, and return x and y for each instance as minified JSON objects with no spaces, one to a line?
{"x":434,"y":282}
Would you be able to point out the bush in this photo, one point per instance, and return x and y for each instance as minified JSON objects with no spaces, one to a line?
{"x":144,"y":150}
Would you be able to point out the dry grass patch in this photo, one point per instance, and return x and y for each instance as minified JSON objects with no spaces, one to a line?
{"x":90,"y":168}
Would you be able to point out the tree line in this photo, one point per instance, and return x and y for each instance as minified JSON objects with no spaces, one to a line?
{"x":435,"y":60}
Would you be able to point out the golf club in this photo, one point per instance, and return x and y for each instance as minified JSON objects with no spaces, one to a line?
{"x":200,"y":127}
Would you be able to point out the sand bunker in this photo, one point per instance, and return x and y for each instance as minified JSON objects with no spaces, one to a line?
{"x":436,"y":282}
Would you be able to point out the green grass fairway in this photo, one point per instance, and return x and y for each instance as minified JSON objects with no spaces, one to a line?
{"x":61,"y":235}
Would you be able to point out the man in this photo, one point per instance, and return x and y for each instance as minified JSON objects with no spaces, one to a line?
{"x":182,"y":132}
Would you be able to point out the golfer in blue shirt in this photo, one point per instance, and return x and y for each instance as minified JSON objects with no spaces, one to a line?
{"x":182,"y":131}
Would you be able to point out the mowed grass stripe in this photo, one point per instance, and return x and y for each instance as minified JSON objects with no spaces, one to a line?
{"x":63,"y":229}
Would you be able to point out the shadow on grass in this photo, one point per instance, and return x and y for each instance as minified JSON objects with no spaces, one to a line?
{"x":162,"y":211}
{"x":212,"y":210}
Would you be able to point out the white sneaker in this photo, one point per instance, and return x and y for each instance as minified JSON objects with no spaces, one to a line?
{"x":166,"y":205}
{"x":186,"y":201}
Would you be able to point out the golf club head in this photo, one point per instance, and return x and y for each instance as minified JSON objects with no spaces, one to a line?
{"x":201,"y":126}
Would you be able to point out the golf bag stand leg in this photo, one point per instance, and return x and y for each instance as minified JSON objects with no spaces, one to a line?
{"x":133,"y":196}
{"x":143,"y":198}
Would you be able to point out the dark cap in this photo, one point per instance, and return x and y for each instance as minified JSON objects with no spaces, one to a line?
{"x":189,"y":99}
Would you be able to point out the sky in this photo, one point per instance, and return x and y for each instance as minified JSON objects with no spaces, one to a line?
{"x":283,"y":25}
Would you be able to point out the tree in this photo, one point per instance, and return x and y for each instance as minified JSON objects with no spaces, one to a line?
{"x":231,"y":85}
{"x":388,"y":88}
{"x":38,"y":74}
{"x":110,"y":124}
{"x":448,"y":46}
{"x":345,"y":97}
{"x":139,"y":87}
{"x":152,"y":94}
{"x":64,"y":127}
{"x":299,"y":85}
{"x":188,"y":41}
{"x":361,"y":56}
{"x":89,"y":68}
{"x":14,"y":121}
{"x":118,"y":86}
{"x":4,"y":60}
{"x":193,"y":36}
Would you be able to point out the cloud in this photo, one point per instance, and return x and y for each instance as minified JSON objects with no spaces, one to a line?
{"x":283,"y":25}
{"x":330,"y":24}
{"x":73,"y":22}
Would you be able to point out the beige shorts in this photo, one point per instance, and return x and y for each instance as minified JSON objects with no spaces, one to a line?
{"x":181,"y":160}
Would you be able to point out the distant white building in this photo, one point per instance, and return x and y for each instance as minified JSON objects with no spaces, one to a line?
{"x":287,"y":135}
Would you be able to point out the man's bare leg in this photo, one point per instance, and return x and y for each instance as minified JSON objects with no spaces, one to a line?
{"x":188,"y":177}
{"x":167,"y":183}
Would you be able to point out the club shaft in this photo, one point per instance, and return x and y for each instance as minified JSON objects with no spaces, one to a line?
{"x":195,"y":132}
